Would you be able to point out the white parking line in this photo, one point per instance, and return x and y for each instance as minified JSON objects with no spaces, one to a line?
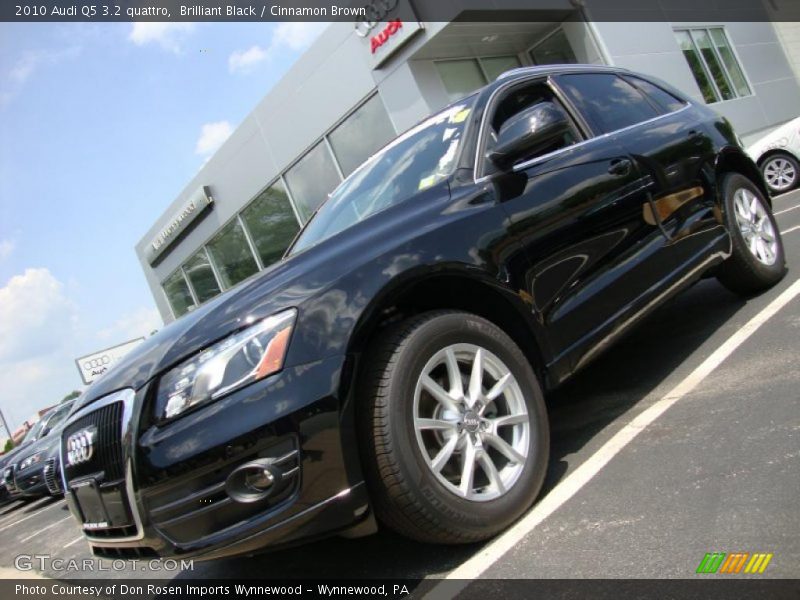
{"x":33,"y":535}
{"x":785,"y":210}
{"x":473,"y":567}
{"x":790,"y":230}
{"x":33,"y":514}
{"x":75,"y":541}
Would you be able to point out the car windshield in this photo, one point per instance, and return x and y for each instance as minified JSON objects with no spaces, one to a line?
{"x":415,"y":161}
{"x":58,"y":417}
{"x":34,"y":431}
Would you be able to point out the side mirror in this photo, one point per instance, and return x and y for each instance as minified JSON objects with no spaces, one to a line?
{"x":528,"y":132}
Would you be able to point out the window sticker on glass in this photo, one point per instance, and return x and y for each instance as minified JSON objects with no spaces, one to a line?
{"x":427,"y":182}
{"x":460,"y":116}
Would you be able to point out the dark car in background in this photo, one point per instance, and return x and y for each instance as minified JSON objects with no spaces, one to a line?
{"x":37,"y":471}
{"x":8,"y":462}
{"x":391,"y":368}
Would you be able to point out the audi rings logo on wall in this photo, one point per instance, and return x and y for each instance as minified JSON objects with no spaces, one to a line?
{"x":375,"y":12}
{"x":80,"y":446}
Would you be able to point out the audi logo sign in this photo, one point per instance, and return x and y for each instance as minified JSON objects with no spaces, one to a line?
{"x":98,"y":363}
{"x":80,"y":446}
{"x":385,"y":26}
{"x":374,"y":13}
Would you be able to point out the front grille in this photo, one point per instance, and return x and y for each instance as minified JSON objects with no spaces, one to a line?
{"x":8,"y":478}
{"x":107,"y":452}
{"x":51,"y":476}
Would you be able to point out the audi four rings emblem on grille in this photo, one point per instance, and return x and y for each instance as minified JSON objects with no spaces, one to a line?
{"x":80,"y":446}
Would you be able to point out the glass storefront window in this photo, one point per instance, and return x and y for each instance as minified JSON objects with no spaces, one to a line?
{"x":200,"y":274}
{"x":271,"y":223}
{"x":711,"y":59}
{"x":178,"y":294}
{"x":231,"y":255}
{"x":362,"y":134}
{"x":460,"y":77}
{"x":311,"y":179}
{"x":494,"y":66}
{"x":553,"y":50}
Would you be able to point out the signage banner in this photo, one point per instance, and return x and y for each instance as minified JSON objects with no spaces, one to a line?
{"x":385,"y":26}
{"x":98,"y":363}
{"x":186,"y":214}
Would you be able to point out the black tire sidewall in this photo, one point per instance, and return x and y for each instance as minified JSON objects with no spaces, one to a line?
{"x":741,"y":252}
{"x":795,"y":164}
{"x":450,"y":509}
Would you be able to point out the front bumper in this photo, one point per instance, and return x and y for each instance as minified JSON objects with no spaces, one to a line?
{"x":170,"y":497}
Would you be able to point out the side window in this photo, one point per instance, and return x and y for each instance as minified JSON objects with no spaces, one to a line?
{"x":520,"y":99}
{"x":606,"y":101}
{"x":665,"y":101}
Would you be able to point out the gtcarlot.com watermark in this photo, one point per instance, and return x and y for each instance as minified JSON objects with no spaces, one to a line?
{"x":46,"y":562}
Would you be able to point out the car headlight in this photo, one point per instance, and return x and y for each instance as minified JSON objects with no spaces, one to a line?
{"x":30,"y":461}
{"x":241,"y":359}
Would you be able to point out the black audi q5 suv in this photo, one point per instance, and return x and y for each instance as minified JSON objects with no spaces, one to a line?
{"x":391,"y":368}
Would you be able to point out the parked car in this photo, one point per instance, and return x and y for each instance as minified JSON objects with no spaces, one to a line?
{"x":392,"y":367}
{"x":8,"y":462}
{"x":777,"y":156}
{"x":36,"y":472}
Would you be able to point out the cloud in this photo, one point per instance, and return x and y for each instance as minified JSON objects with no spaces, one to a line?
{"x":38,"y":324}
{"x":291,"y":35}
{"x":6,"y":248}
{"x":35,"y":315}
{"x":243,"y":61}
{"x":169,"y":36}
{"x":140,"y":323}
{"x":296,"y":35}
{"x":27,"y":65}
{"x":212,"y":135}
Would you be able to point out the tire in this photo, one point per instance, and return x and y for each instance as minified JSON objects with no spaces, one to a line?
{"x":781,"y":173}
{"x":755,"y":263}
{"x":400,"y":452}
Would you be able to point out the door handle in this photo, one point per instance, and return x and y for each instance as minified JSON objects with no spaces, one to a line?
{"x":696,"y":137}
{"x":620,"y":167}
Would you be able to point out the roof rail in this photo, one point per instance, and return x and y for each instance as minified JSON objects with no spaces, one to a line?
{"x":554,"y":67}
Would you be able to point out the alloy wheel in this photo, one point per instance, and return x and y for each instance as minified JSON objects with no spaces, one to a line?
{"x":780,"y":174}
{"x":756,"y":226}
{"x":471,"y":422}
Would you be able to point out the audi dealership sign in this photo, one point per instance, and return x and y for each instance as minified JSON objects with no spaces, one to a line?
{"x":94,"y":365}
{"x":385,"y":27}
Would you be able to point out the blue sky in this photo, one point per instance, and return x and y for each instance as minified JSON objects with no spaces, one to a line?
{"x":101,"y":126}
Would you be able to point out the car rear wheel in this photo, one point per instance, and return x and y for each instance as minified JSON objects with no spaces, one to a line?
{"x":455,"y":428}
{"x":757,"y":260}
{"x":781,"y":172}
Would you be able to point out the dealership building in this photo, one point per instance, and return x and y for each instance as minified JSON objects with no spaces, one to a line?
{"x":360,"y":84}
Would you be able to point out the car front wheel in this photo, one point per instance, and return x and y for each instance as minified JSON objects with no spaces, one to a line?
{"x":455,"y":428}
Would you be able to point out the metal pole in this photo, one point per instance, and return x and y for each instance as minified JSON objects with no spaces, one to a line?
{"x":5,"y":424}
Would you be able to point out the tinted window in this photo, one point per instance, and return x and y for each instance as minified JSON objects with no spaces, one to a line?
{"x":271,"y":223}
{"x":231,"y":255}
{"x":607,"y":102}
{"x":661,"y":98}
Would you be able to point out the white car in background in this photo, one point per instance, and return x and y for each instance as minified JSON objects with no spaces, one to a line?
{"x":778,"y":157}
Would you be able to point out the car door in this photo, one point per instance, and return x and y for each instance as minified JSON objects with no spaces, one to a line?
{"x":676,"y":157}
{"x":577,"y":213}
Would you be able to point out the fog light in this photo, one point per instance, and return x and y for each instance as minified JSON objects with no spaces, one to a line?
{"x":252,"y":481}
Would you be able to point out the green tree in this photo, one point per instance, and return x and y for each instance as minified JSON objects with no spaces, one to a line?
{"x":73,"y":394}
{"x":9,"y":445}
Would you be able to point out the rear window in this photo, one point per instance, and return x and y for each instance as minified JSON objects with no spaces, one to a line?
{"x":658,"y":96}
{"x":606,"y":101}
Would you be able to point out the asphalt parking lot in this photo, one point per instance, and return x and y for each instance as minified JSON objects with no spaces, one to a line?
{"x":718,"y":470}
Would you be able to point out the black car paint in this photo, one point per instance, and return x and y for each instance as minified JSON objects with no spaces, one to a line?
{"x":558,"y":252}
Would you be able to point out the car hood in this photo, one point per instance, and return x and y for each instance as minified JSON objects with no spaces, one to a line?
{"x":253,"y":300}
